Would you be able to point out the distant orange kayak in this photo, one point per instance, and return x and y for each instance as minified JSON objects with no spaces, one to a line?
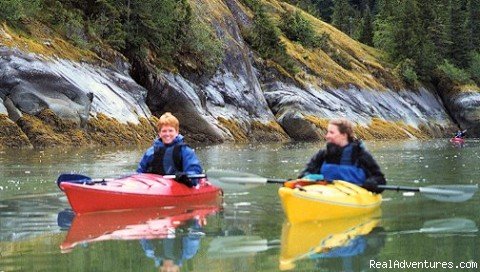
{"x":137,"y":191}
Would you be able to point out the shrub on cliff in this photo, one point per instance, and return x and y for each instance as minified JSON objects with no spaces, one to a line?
{"x":474,"y":68}
{"x":264,"y":37}
{"x":453,"y":73}
{"x":299,"y":29}
{"x":14,"y":10}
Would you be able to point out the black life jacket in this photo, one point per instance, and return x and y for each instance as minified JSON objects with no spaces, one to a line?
{"x":156,"y":165}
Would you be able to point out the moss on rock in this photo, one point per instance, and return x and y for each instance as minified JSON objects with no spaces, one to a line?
{"x":320,"y":123}
{"x":46,"y":130}
{"x":271,"y":131}
{"x":108,"y":131}
{"x":377,"y":129}
{"x":381,"y":129}
{"x":237,"y":132}
{"x":11,"y":135}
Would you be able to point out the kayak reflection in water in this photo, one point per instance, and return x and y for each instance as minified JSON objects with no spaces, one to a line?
{"x":345,"y":158}
{"x":355,"y":255}
{"x":340,"y":239}
{"x":182,"y":245}
{"x":169,"y":155}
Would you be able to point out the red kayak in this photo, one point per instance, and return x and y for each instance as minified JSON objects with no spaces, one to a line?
{"x":455,"y":140}
{"x":137,"y":191}
{"x":151,"y":223}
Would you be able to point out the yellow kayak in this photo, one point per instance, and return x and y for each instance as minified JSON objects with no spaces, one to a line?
{"x":300,"y":241}
{"x":338,"y":199}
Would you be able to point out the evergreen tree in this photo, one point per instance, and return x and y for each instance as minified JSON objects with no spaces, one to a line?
{"x":366,"y":28}
{"x":343,"y":16}
{"x":457,"y":34}
{"x":386,"y":8}
{"x":297,"y":28}
{"x":384,"y":25}
{"x":325,"y":9}
{"x":433,"y":16}
{"x":473,"y":25}
{"x":406,"y":31}
{"x":265,"y":35}
{"x":14,"y":10}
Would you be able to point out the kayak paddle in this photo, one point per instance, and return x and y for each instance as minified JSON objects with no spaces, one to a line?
{"x":447,"y":193}
{"x":82,"y":179}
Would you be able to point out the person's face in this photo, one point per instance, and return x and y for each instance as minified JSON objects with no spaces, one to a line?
{"x":167,"y":134}
{"x":169,"y":266}
{"x":335,"y":137}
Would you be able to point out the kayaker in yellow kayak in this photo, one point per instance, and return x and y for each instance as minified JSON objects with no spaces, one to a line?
{"x":345,"y":158}
{"x":169,"y":155}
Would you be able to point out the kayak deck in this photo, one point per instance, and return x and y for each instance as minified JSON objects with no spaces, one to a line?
{"x":137,"y":191}
{"x":331,"y":201}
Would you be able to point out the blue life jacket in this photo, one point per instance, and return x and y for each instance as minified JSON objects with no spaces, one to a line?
{"x":347,"y":170}
{"x":167,"y":160}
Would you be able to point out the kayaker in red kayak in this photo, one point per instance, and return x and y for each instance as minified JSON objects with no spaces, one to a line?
{"x":169,"y":155}
{"x":460,"y":134}
{"x":345,"y":158}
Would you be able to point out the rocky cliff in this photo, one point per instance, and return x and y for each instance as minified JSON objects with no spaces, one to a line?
{"x":55,"y":99}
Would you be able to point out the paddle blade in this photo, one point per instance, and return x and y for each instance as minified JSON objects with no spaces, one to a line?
{"x":72,"y":178}
{"x":450,"y":225}
{"x":449,"y":193}
{"x":214,"y":176}
{"x":237,"y":246}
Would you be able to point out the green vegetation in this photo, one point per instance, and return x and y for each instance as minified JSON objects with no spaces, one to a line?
{"x":264,"y":37}
{"x":421,"y":38}
{"x":474,"y":68}
{"x":14,"y":10}
{"x":299,"y":29}
{"x":136,"y":28}
{"x":456,"y":75}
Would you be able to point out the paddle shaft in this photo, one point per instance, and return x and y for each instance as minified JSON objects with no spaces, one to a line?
{"x":84,"y":179}
{"x":399,"y":188}
{"x":165,"y":176}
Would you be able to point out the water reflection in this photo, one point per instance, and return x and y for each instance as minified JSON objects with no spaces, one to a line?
{"x":178,"y":226}
{"x":351,"y":244}
{"x":331,"y":239}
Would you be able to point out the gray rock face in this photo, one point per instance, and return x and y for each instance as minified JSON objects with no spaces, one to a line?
{"x":291,"y":104}
{"x":465,"y":109}
{"x":73,"y":91}
{"x":233,"y":93}
{"x":243,"y":94}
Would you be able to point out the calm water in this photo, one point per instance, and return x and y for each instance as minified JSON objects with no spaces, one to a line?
{"x":249,"y":232}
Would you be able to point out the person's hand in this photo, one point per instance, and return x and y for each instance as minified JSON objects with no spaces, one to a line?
{"x":182,"y":177}
{"x":370,"y":185}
